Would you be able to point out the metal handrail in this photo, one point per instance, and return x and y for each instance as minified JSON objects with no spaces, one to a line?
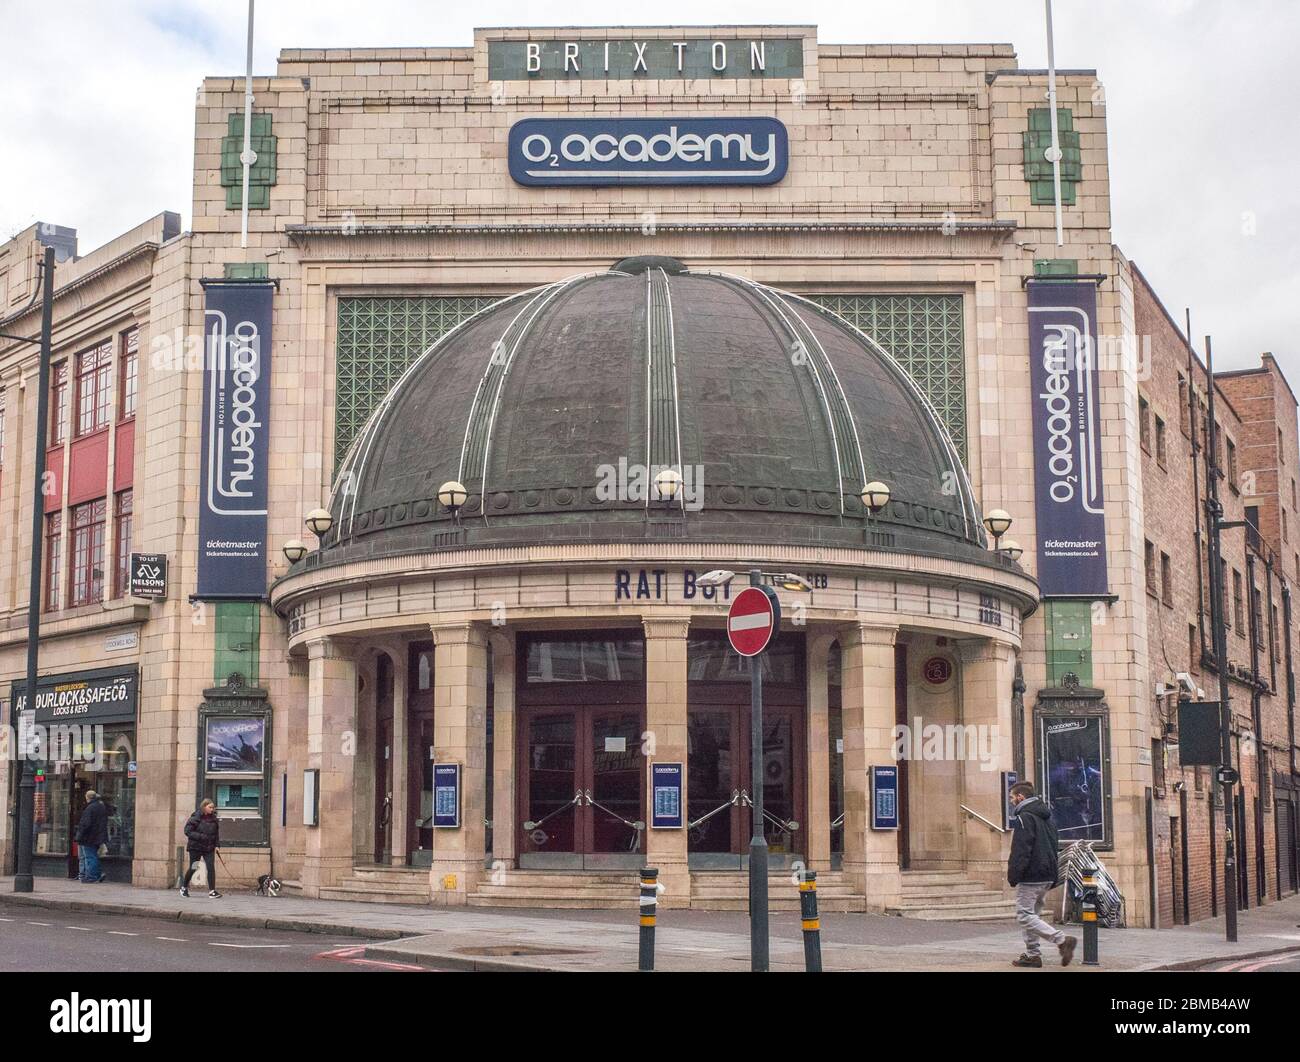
{"x":780,"y":824}
{"x":735,"y":799}
{"x":975,"y":814}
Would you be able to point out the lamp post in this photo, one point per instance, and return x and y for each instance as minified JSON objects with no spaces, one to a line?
{"x":451,"y":496}
{"x":27,"y":779}
{"x":758,"y":868}
{"x":998,"y":523}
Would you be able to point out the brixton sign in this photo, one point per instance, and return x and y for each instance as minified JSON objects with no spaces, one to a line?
{"x":591,"y":152}
{"x":657,"y":58}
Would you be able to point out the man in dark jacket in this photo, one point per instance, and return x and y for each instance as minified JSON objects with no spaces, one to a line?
{"x":92,"y":831}
{"x":202,"y":836}
{"x":1033,"y":870}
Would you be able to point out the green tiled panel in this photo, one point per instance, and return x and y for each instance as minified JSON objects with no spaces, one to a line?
{"x":261,"y":175}
{"x":1038,"y":171}
{"x":378,"y":338}
{"x":246,"y":271}
{"x":239,"y":628}
{"x":1069,"y":640}
{"x":1056,"y":267}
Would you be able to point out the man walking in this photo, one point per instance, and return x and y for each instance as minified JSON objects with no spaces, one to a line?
{"x":92,"y":831}
{"x":1033,"y":870}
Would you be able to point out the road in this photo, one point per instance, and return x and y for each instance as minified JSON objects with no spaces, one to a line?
{"x":1285,"y":962}
{"x":33,"y":938}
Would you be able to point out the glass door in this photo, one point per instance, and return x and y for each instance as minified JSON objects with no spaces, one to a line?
{"x":713,"y":789}
{"x":612,"y":792}
{"x":550,"y":790}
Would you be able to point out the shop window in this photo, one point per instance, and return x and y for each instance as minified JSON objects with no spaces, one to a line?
{"x":618,"y":658}
{"x":1162,"y":443}
{"x":59,"y":404}
{"x":122,"y":511}
{"x":53,"y":559}
{"x":129,"y":384}
{"x":94,"y":378}
{"x":87,"y":546}
{"x":1166,"y":580}
{"x":1149,"y":551}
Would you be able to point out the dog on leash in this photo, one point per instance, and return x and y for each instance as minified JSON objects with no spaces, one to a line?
{"x":268,"y":886}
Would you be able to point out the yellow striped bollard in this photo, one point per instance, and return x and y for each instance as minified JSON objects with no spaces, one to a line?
{"x":812,"y":925}
{"x":648,"y":905}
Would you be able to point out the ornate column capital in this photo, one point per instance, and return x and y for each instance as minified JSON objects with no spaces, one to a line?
{"x":854,"y":634}
{"x":671,"y":627}
{"x":461,"y":632}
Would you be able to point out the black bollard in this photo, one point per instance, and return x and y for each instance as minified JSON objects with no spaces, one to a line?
{"x":1089,"y":915}
{"x":648,"y":903}
{"x":812,"y":926}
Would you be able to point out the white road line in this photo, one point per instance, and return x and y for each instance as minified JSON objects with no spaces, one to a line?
{"x":46,"y":924}
{"x":80,"y":929}
{"x":176,"y":940}
{"x":6,"y":919}
{"x":119,"y":933}
{"x":244,"y":947}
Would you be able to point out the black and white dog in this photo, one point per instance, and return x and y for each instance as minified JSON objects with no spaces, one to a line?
{"x":268,"y":886}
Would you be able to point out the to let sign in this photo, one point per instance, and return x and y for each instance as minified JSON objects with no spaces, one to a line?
{"x":148,"y":576}
{"x":753,"y":618}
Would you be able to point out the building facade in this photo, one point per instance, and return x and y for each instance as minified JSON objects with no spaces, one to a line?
{"x":547,"y":267}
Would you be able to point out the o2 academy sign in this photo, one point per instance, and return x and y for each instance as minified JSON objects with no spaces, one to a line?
{"x":660,"y":59}
{"x":593,"y":152}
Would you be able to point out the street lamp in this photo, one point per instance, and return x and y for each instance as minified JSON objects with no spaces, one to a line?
{"x":998,"y":523}
{"x":294,"y":550}
{"x":875,"y":496}
{"x":758,"y":869}
{"x":1011,"y":549}
{"x":668,"y":482}
{"x":319,"y":522}
{"x":452,"y":495}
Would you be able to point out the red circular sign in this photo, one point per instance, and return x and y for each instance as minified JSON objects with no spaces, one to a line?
{"x":752,"y":619}
{"x":937,"y":670}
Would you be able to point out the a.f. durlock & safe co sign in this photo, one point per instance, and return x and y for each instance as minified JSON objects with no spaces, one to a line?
{"x":591,"y":152}
{"x":99,"y":695}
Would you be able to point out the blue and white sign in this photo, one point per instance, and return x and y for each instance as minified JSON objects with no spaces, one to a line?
{"x":593,"y":152}
{"x":884,"y":798}
{"x":446,"y":795}
{"x":666,"y":787}
{"x":1069,"y":496}
{"x":233,"y":474}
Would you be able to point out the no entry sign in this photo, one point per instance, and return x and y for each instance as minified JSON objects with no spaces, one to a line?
{"x":754,"y":616}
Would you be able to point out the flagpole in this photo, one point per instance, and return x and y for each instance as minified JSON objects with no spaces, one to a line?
{"x":246,"y":156}
{"x":1054,"y":152}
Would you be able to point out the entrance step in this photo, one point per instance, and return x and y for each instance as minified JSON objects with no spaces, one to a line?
{"x":590,"y":890}
{"x":949,"y":896}
{"x":382,"y":884}
{"x":728,"y":890}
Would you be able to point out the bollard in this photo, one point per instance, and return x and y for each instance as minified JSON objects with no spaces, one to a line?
{"x":649,"y":901}
{"x":1089,"y":916}
{"x":812,"y":926}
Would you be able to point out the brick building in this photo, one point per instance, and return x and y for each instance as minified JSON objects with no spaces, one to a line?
{"x":540,"y":261}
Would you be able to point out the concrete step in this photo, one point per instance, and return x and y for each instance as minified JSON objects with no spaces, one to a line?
{"x":776,"y":903}
{"x":932,"y":877}
{"x":950,"y":898}
{"x":976,"y":914}
{"x":370,"y":895}
{"x":956,"y":888}
{"x":567,"y":901}
{"x":392,"y":875}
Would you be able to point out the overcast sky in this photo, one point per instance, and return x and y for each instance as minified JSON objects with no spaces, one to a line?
{"x":96,"y":123}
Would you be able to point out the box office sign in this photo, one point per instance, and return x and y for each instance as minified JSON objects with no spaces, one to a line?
{"x":233,"y":471}
{"x":102,"y":695}
{"x":593,"y":152}
{"x":1068,"y":489}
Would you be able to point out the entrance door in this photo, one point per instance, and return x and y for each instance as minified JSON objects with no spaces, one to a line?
{"x":383,"y":789}
{"x":582,"y":788}
{"x":720,"y":780}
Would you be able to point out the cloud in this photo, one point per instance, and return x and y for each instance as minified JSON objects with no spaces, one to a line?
{"x":97,"y":124}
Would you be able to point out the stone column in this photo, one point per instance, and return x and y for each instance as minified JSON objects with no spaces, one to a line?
{"x":665,"y":722}
{"x":987,"y":676}
{"x":460,"y":736}
{"x":401,"y":757}
{"x":867,"y":692}
{"x":504,"y":828}
{"x":817,"y":813}
{"x":331,"y":727}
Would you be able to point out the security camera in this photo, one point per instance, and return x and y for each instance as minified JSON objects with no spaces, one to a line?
{"x":1185,"y":681}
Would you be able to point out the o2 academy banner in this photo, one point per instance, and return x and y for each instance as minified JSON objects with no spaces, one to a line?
{"x":234,"y":481}
{"x":1067,"y":439}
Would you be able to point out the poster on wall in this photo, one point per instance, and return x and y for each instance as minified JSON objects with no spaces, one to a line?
{"x":233,"y":475}
{"x":235,"y":745}
{"x":1068,"y":489}
{"x":1075,"y":779}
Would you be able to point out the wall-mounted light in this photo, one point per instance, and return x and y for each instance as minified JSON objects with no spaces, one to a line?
{"x":452,"y":495}
{"x":294,"y":550}
{"x":998,"y":523}
{"x":668,"y":482}
{"x":319,"y":521}
{"x":1012,"y":550}
{"x":875,"y":496}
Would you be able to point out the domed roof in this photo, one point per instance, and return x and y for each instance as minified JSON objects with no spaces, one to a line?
{"x":556,"y":406}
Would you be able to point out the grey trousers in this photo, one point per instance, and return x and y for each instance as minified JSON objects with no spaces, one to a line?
{"x":1029,"y":901}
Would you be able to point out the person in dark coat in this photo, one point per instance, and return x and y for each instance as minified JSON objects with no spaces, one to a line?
{"x":1033,"y":870}
{"x":92,"y":831}
{"x":202,"y":836}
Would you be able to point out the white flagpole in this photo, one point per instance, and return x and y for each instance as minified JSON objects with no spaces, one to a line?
{"x":1054,"y":152}
{"x":247,"y":157}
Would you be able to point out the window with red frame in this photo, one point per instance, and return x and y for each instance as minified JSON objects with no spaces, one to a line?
{"x":59,"y":404}
{"x":130,"y":372}
{"x":53,"y":559}
{"x":94,"y":377}
{"x":122,"y":536}
{"x":87,"y":526}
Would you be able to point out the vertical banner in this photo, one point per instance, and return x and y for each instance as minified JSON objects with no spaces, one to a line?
{"x":233,"y":478}
{"x":1068,"y":487}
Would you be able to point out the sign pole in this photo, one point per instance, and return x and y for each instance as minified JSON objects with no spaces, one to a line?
{"x":27,"y":780}
{"x":758,"y":930}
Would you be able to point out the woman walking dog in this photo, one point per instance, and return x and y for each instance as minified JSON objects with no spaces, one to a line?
{"x":202,"y":836}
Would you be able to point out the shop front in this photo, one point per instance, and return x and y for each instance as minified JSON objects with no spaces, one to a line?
{"x":82,"y":737}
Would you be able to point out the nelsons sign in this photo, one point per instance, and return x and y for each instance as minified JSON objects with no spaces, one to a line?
{"x":588,"y":152}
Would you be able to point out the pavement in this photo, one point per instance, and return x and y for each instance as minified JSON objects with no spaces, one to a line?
{"x":520,"y":939}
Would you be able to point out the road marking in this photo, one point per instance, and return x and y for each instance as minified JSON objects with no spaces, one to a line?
{"x":245,"y":947}
{"x":1251,"y":965}
{"x":80,"y":929}
{"x":120,"y":933}
{"x":46,"y":924}
{"x":176,"y":940}
{"x":351,"y":954}
{"x":6,"y":919}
